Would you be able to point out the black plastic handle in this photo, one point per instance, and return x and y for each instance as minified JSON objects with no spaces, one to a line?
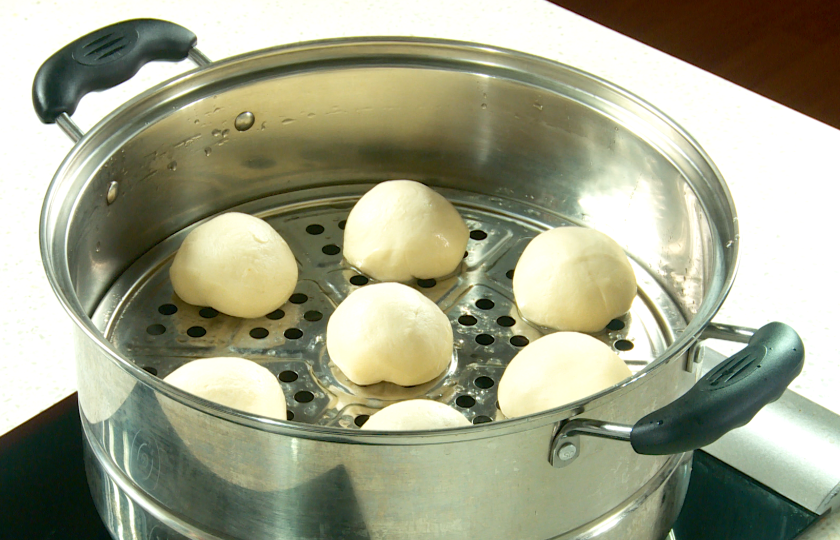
{"x":727,"y":397}
{"x":104,"y":59}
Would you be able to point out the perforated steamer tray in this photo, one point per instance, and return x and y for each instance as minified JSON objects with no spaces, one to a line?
{"x":150,"y":325}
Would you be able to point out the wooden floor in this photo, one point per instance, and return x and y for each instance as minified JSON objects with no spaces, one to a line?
{"x":788,"y":51}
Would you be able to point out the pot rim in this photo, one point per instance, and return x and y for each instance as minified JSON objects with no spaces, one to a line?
{"x":335,"y":49}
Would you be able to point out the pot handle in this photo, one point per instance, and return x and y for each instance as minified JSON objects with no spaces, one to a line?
{"x":727,"y":397}
{"x":104,"y":59}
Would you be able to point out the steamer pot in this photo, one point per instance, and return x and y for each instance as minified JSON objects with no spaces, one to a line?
{"x":294,"y":135}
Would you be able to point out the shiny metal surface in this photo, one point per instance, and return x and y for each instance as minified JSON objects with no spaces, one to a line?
{"x":565,"y":447}
{"x":199,"y":58}
{"x":69,"y":127}
{"x":129,"y":514}
{"x":728,"y":332}
{"x":791,"y":446}
{"x":514,"y":139}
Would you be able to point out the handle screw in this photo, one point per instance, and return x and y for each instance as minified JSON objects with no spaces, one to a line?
{"x":566,"y":452}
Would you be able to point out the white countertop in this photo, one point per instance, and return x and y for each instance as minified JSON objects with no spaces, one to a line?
{"x":780,"y":165}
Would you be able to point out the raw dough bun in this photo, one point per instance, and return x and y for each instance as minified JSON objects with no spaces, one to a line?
{"x":389,"y":332}
{"x":235,"y":263}
{"x":573,"y":278}
{"x":401,"y":230}
{"x":416,"y":415}
{"x":556,"y":370}
{"x":234,"y":382}
{"x":236,"y":453}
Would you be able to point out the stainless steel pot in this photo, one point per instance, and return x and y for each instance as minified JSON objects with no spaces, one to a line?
{"x":295,"y":134}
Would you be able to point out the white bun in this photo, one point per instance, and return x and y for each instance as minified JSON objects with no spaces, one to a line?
{"x":556,"y":370}
{"x":415,"y":415}
{"x":234,"y":382}
{"x":389,"y":332}
{"x":237,"y":264}
{"x":573,"y":278}
{"x":401,"y":230}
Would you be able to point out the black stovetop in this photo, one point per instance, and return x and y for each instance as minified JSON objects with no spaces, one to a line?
{"x":44,"y":493}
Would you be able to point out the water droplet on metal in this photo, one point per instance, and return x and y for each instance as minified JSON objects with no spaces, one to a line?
{"x":730,"y":244}
{"x":288,"y":120}
{"x":173,"y":165}
{"x":207,"y":151}
{"x":216,"y":132}
{"x":538,"y":105}
{"x":244,"y":121}
{"x":483,"y":105}
{"x":98,"y":246}
{"x":196,"y":121}
{"x":225,"y":133}
{"x":111,"y":195}
{"x":262,"y":126}
{"x":311,"y":115}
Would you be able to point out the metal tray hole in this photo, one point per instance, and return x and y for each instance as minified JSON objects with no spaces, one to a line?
{"x":258,"y":332}
{"x":342,"y":224}
{"x":481,"y":419}
{"x":361,"y":419}
{"x":315,"y":229}
{"x":485,"y":303}
{"x":290,"y":415}
{"x":304,"y":396}
{"x":196,"y":331}
{"x":298,"y":298}
{"x":276,"y":315}
{"x":505,"y":321}
{"x":467,"y":320}
{"x":293,"y":333}
{"x":208,"y":312}
{"x":519,"y":341}
{"x":484,"y":382}
{"x":615,"y":324}
{"x":484,"y":339}
{"x":155,"y":329}
{"x":151,"y":370}
{"x":465,"y":401}
{"x":478,"y":234}
{"x":331,"y":249}
{"x":359,"y":280}
{"x":168,"y":309}
{"x":313,"y":316}
{"x":623,"y":345}
{"x":427,"y":283}
{"x":288,"y":376}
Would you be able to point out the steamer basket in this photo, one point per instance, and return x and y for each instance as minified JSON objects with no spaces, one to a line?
{"x":519,"y":144}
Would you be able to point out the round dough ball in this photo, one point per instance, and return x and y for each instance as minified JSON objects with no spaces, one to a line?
{"x":229,"y":449}
{"x":415,"y":415}
{"x":234,"y":382}
{"x":573,"y":278}
{"x":401,"y":230}
{"x":237,"y":264}
{"x":389,"y":332}
{"x":556,"y":370}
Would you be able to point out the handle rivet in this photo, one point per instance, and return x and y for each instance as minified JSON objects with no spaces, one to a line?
{"x":566,"y":452}
{"x":111,"y":196}
{"x":244,"y":121}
